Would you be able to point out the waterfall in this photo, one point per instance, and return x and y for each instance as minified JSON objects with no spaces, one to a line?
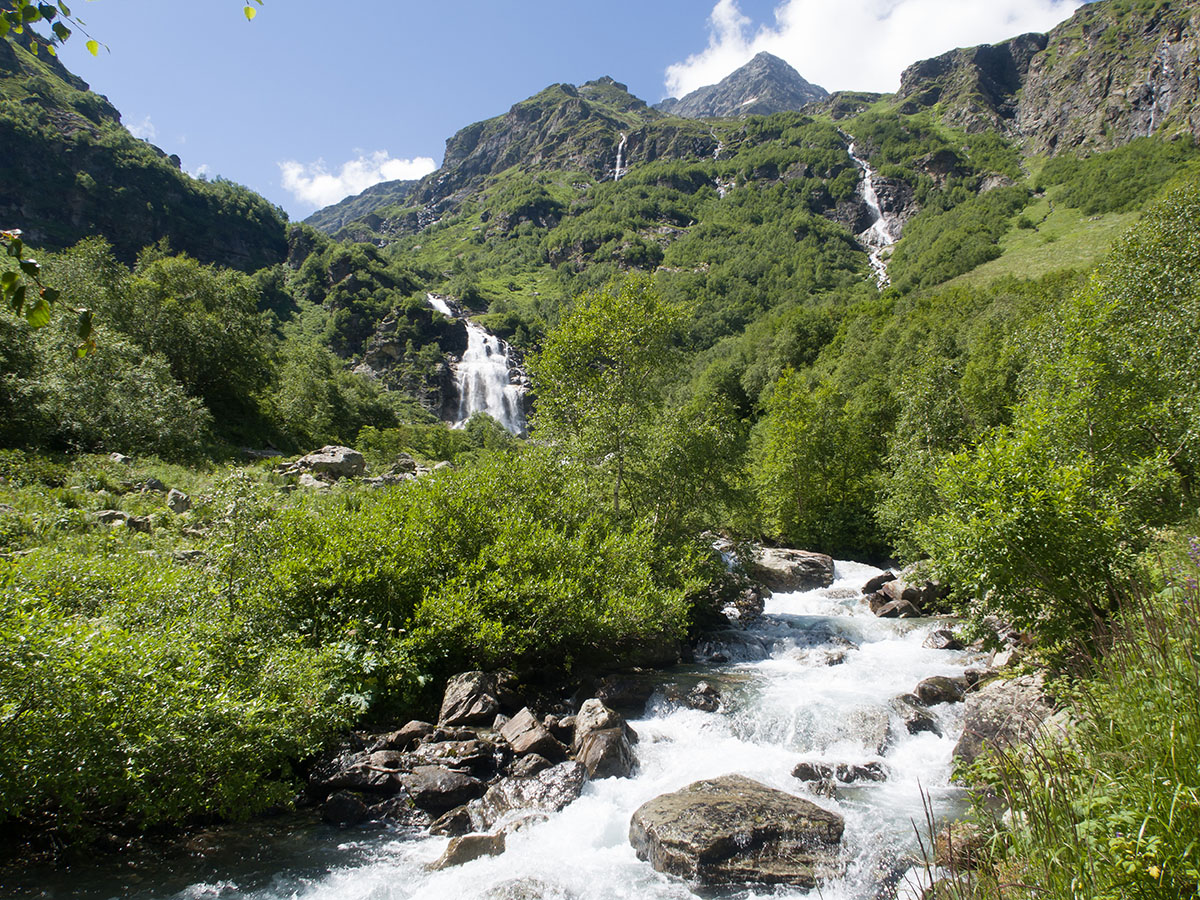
{"x":619,"y":171}
{"x":812,"y":680}
{"x":882,"y":233}
{"x":484,"y":375}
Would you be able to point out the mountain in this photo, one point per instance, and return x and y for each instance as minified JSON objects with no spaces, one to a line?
{"x":331,"y":219}
{"x":1113,"y":72}
{"x":70,"y":169}
{"x":763,"y":86}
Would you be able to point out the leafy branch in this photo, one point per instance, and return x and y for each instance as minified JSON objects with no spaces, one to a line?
{"x":35,"y":304}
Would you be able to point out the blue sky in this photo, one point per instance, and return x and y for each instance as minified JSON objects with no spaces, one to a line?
{"x":358,"y":90}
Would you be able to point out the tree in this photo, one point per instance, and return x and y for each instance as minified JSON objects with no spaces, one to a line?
{"x":601,"y":377}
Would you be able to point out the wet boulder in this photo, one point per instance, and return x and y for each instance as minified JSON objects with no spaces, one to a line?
{"x":733,"y":830}
{"x":607,"y":753}
{"x":548,"y":791}
{"x":878,"y":582}
{"x":355,"y":771}
{"x":477,"y":757}
{"x":344,"y":808}
{"x":454,"y":823}
{"x":940,"y":689}
{"x":893,"y":609}
{"x":943,"y":639}
{"x":853,"y":773}
{"x":702,"y":696}
{"x":403,"y":738}
{"x":1000,"y":714}
{"x":400,"y":810}
{"x":525,"y":734}
{"x":469,"y":847}
{"x":626,"y":692}
{"x":437,"y":789}
{"x":782,"y":569}
{"x":914,"y":715}
{"x":474,"y":698}
{"x":595,"y":716}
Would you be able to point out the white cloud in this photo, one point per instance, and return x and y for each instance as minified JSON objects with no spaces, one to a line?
{"x":144,"y":129}
{"x":858,"y":44}
{"x":315,"y":185}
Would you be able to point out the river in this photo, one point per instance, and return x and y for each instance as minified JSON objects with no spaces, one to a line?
{"x":811,"y":680}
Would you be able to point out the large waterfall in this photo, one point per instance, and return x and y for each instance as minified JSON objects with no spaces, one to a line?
{"x":618,"y":171}
{"x":883,"y":232}
{"x":484,"y":375}
{"x":812,"y":680}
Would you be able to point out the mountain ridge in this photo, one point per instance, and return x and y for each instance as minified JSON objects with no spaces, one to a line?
{"x":764,"y":85}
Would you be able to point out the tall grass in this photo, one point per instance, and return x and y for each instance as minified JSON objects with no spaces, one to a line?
{"x":1111,"y":807}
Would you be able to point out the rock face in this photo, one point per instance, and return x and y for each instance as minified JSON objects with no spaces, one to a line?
{"x":762,"y":86}
{"x":1001,"y":713}
{"x":1109,"y":74}
{"x":781,"y":569}
{"x":733,"y":830}
{"x":548,"y":791}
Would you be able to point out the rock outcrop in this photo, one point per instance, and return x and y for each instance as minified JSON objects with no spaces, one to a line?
{"x":733,"y":830}
{"x":782,"y":569}
{"x":1001,"y":713}
{"x":762,"y":86}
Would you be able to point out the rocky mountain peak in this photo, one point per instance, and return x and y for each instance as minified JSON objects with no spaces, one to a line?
{"x":762,"y":86}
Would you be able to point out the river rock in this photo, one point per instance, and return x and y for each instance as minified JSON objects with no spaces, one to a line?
{"x":607,"y":753}
{"x":454,"y":823}
{"x":595,"y":716}
{"x":852,"y":773}
{"x":894,"y":609}
{"x":478,"y":757}
{"x":959,"y":846}
{"x":404,"y":738}
{"x":733,"y":830}
{"x":525,"y":734}
{"x":353,"y":771}
{"x":474,"y":698}
{"x":782,"y":569}
{"x":940,"y":689}
{"x":922,"y":593}
{"x":401,"y":810}
{"x":527,"y":765}
{"x":178,"y":502}
{"x":943,"y":639}
{"x":469,"y":847}
{"x":1001,"y":713}
{"x":813,"y":771}
{"x":628,"y":692}
{"x":548,"y":791}
{"x":878,"y":581}
{"x":529,"y":889}
{"x":437,"y":789}
{"x":344,"y":808}
{"x":916,"y":718}
{"x":702,"y":696}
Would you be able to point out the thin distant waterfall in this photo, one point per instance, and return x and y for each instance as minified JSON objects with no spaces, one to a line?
{"x":619,"y":170}
{"x":883,"y":232}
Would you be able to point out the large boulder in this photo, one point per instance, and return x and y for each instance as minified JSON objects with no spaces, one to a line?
{"x":437,"y":789}
{"x":1000,"y":714}
{"x":733,"y":830}
{"x":474,"y":698}
{"x":607,"y":753}
{"x":941,"y":689}
{"x":781,"y":569}
{"x":548,"y":791}
{"x":594,"y":716}
{"x":476,"y":757}
{"x":331,"y":461}
{"x":469,"y":847}
{"x":914,"y":715}
{"x":526,"y":734}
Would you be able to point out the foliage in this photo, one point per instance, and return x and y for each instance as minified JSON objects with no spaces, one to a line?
{"x":1118,"y":180}
{"x":601,"y":375}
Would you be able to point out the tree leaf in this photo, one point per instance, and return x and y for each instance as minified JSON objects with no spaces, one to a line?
{"x":63,"y":8}
{"x":250,"y":12}
{"x":93,"y":48}
{"x":84,"y":328}
{"x":38,"y":315}
{"x":30,"y":267}
{"x":17,"y":302}
{"x":50,"y":294}
{"x":8,"y":281}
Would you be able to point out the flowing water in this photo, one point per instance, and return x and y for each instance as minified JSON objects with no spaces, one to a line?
{"x":783,"y":702}
{"x":883,"y":232}
{"x":484,"y":376}
{"x":618,"y":171}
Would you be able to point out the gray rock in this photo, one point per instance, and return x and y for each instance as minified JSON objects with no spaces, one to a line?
{"x":733,"y":830}
{"x":312,"y":482}
{"x":343,"y":808}
{"x":628,"y":693}
{"x":437,"y":789}
{"x":153,"y":485}
{"x":914,"y":715}
{"x":607,"y":753}
{"x":594,"y":716}
{"x":1000,"y":714}
{"x":940,"y":689}
{"x":474,"y":698}
{"x":528,"y":765}
{"x":959,"y":846}
{"x":355,"y":771}
{"x":401,"y":810}
{"x":454,"y":823}
{"x":781,"y":569}
{"x":813,"y":771}
{"x":851,"y":773}
{"x":943,"y":639}
{"x":121,"y":458}
{"x":529,"y":889}
{"x":897,"y":609}
{"x":470,"y":847}
{"x":480,"y":758}
{"x":404,"y":738}
{"x":525,"y":734}
{"x":879,"y":580}
{"x":548,"y":791}
{"x":332,"y":461}
{"x":178,"y":502}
